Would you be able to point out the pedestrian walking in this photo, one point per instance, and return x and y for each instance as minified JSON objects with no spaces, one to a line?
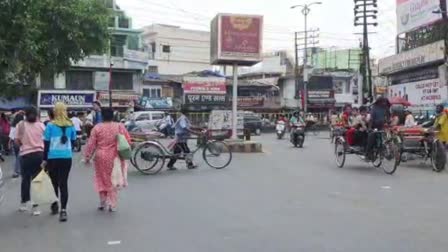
{"x":58,"y":138}
{"x":5,"y":129}
{"x":102,"y":147}
{"x":29,"y":136}
{"x":15,"y":147}
{"x":97,"y":116}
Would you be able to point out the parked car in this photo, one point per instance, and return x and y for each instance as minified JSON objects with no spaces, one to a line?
{"x":145,"y":119}
{"x":253,"y":123}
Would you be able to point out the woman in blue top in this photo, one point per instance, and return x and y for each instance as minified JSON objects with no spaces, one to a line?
{"x":59,"y":136}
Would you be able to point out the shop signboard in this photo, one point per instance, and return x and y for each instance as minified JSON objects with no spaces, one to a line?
{"x":423,"y":95}
{"x":250,"y":101}
{"x":412,"y":14}
{"x":414,"y":58}
{"x":204,"y":85}
{"x":237,"y":39}
{"x":205,"y":99}
{"x":73,"y":99}
{"x":222,"y":120}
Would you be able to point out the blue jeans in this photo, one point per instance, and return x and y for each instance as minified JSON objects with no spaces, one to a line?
{"x":17,"y":169}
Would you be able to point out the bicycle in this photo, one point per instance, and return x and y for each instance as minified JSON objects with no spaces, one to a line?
{"x":386,"y":151}
{"x":150,"y":157}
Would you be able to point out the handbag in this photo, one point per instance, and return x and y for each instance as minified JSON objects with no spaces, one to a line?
{"x":117,"y":174}
{"x":123,"y":147}
{"x":42,"y":190}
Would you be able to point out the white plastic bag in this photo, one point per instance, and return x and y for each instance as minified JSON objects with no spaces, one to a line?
{"x":42,"y":190}
{"x":117,"y":174}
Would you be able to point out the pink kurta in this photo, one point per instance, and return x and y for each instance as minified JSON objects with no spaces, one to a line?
{"x":103,"y":143}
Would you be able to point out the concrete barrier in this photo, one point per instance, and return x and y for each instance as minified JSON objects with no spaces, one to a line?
{"x":245,"y":146}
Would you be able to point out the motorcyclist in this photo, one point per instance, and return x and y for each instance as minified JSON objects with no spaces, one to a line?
{"x":297,"y":119}
{"x":441,"y":124}
{"x":379,"y":115}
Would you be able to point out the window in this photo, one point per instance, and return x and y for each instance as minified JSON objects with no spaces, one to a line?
{"x":46,"y":81}
{"x":157,"y":116}
{"x":152,"y":92}
{"x":111,"y":22}
{"x":153,"y":69}
{"x":142,"y":117}
{"x":123,"y":22}
{"x":122,"y":81}
{"x":109,"y":4}
{"x":166,"y":48}
{"x":79,"y":80}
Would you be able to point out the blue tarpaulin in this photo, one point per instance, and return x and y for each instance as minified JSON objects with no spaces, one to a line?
{"x":15,"y":103}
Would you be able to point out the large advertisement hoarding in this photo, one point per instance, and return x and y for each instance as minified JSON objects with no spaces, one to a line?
{"x":236,"y":39}
{"x":412,"y":14}
{"x":414,"y":58}
{"x":423,"y":95}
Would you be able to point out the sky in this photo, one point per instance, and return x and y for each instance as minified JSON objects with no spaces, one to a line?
{"x":334,"y":18}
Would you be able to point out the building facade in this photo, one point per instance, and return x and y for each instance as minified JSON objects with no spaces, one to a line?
{"x":122,"y":69}
{"x":177,"y":51}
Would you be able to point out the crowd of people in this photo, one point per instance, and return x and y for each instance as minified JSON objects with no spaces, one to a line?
{"x":49,"y":145}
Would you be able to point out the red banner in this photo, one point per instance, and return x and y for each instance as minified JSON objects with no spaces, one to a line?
{"x":250,"y":101}
{"x":240,"y":36}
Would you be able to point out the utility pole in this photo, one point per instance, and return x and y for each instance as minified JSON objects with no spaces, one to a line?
{"x":296,"y":67}
{"x":305,"y":43}
{"x":365,"y":11}
{"x":305,"y":11}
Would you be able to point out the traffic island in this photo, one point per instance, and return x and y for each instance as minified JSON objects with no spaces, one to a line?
{"x":239,"y":146}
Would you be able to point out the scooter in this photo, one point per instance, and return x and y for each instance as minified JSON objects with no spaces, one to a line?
{"x":280,"y":128}
{"x":297,"y":136}
{"x":79,"y":142}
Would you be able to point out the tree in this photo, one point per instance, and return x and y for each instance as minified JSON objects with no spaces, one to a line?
{"x":48,"y":36}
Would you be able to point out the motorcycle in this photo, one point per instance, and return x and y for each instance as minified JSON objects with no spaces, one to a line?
{"x":81,"y":139}
{"x":280,"y":128}
{"x":297,"y":136}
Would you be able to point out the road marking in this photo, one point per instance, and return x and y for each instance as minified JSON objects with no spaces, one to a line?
{"x":111,"y":243}
{"x":386,"y":187}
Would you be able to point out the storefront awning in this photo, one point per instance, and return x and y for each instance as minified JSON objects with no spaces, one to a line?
{"x":16,"y":103}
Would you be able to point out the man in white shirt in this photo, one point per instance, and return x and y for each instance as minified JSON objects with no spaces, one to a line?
{"x":409,"y":121}
{"x":76,"y":123}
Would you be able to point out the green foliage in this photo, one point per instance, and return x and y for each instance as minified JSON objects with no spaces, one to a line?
{"x":47,"y":36}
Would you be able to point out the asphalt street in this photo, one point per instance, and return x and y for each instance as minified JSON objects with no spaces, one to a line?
{"x":285,"y":199}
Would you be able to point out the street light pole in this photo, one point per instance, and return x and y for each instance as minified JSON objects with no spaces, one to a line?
{"x":305,"y":11}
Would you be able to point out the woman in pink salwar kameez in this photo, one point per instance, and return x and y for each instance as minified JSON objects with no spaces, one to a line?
{"x":102,"y":146}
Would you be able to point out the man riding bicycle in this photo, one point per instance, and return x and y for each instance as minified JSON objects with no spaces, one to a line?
{"x":379,"y":116}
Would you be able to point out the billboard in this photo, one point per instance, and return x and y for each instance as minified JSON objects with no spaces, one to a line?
{"x":412,"y":14}
{"x":413,"y":58}
{"x":423,"y":95}
{"x":236,"y":39}
{"x":204,"y":85}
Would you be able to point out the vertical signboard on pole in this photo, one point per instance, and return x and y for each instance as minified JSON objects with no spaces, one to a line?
{"x":236,"y":39}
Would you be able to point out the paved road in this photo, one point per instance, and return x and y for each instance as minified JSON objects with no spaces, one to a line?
{"x":284,"y":200}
